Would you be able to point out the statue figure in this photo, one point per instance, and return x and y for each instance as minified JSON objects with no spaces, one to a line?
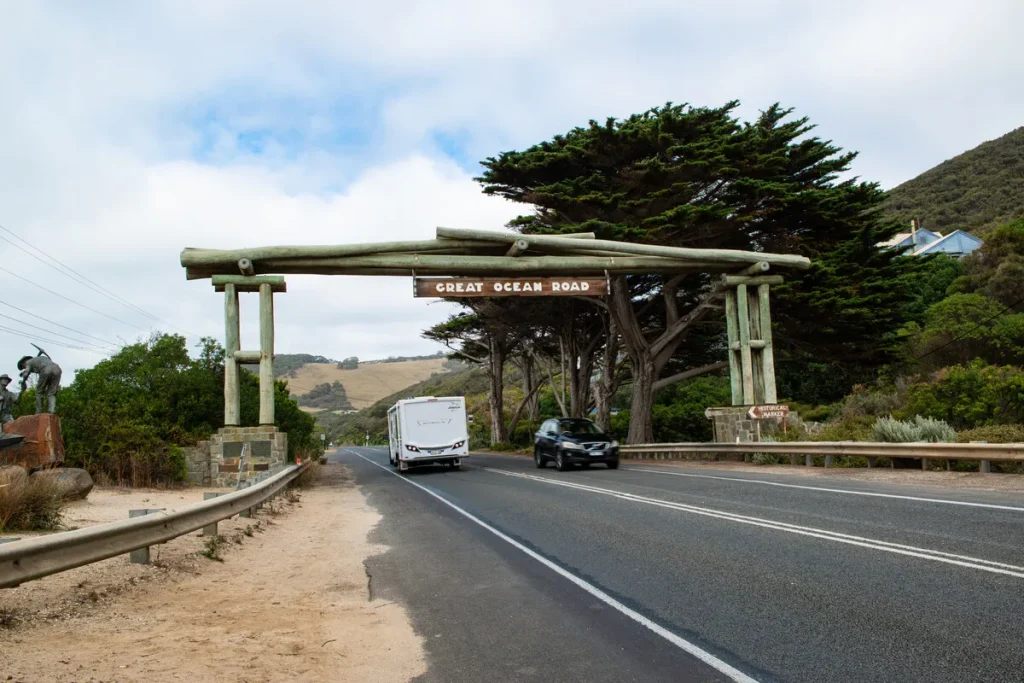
{"x":49,"y":378}
{"x":7,"y":400}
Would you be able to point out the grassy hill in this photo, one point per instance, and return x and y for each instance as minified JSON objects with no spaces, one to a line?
{"x":364,"y":385}
{"x":976,"y":191}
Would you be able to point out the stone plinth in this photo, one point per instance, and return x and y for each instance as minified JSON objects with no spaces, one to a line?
{"x":268,"y":448}
{"x":43,"y":445}
{"x":733,"y":423}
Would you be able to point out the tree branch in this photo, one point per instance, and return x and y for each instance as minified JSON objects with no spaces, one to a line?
{"x":693,"y":372}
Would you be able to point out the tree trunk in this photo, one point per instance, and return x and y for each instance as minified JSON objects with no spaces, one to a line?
{"x":529,"y":387}
{"x":641,"y":429}
{"x":496,"y":398}
{"x":606,"y":387}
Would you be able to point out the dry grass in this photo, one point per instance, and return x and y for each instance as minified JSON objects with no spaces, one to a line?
{"x":367,"y":384}
{"x":31,"y":504}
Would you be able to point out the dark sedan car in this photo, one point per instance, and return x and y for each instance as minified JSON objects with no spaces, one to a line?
{"x":574,"y":441}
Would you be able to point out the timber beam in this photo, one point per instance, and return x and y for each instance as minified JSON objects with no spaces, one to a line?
{"x":249,"y":283}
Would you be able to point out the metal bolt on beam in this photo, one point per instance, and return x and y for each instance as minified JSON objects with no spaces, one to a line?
{"x":210,"y":529}
{"x":141,"y":555}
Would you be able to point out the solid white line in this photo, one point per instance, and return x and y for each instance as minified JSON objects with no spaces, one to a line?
{"x":824,"y":534}
{"x":828,"y":490}
{"x":683,"y":644}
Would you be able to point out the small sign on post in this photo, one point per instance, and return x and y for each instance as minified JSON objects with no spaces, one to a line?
{"x":769,"y":411}
{"x":458,"y":287}
{"x":323,"y":437}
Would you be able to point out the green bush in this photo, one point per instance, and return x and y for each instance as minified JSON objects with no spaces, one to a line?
{"x":503,"y":447}
{"x":993,"y":434}
{"x":973,"y":395}
{"x":857,"y":428}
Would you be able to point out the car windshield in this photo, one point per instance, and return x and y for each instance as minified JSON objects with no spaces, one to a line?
{"x":580,"y":427}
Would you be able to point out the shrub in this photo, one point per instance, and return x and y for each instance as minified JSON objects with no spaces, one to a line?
{"x":919,"y":429}
{"x":993,"y":434}
{"x":502,"y":447}
{"x":31,"y":504}
{"x":311,"y":474}
{"x":856,"y":428}
{"x":973,"y":395}
{"x":765,"y":458}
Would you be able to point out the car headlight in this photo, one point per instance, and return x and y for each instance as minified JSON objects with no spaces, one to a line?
{"x":572,"y":446}
{"x":615,"y":444}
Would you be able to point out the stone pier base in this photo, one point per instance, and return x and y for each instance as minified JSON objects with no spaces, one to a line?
{"x":215,"y":462}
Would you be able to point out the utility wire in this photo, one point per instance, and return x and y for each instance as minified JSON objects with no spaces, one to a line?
{"x":77,"y":341}
{"x":70,"y":272}
{"x":70,"y":329}
{"x":49,"y":341}
{"x":964,"y":336}
{"x":88,"y":308}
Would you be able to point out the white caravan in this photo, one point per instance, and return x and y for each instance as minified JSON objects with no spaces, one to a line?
{"x":428,"y":430}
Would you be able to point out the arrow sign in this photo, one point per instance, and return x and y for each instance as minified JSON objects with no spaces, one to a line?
{"x":761,"y":412}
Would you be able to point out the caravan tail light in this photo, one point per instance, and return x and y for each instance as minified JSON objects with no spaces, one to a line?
{"x":412,"y":448}
{"x":459,"y":444}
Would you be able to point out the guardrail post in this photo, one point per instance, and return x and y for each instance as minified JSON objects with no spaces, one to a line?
{"x":794,"y":459}
{"x":828,"y":461}
{"x":141,"y":555}
{"x":924,"y":464}
{"x":210,"y":529}
{"x":809,"y":460}
{"x":984,"y":466}
{"x":872,"y":461}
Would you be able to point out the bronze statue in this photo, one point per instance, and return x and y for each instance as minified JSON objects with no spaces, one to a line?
{"x":7,"y":400}
{"x":49,"y":378}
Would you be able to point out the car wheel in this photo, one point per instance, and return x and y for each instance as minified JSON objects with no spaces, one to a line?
{"x":539,"y":459}
{"x":613,"y":464}
{"x":560,"y":464}
{"x":393,"y":459}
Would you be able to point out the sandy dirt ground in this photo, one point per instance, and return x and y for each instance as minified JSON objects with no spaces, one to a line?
{"x":288,"y":601}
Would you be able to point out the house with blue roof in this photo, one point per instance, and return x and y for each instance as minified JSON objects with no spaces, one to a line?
{"x":920,"y":242}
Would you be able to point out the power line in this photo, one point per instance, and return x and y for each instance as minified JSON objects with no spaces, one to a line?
{"x":49,"y":341}
{"x":88,"y":308}
{"x":70,"y":272}
{"x":964,"y":335}
{"x":78,"y":341}
{"x":70,"y":329}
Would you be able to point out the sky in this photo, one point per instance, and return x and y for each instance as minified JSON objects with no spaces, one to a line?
{"x":129,"y":131}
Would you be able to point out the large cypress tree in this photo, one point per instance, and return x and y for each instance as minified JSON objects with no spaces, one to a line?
{"x":698,"y":177}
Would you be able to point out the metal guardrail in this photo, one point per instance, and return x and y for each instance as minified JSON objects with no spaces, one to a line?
{"x":34,"y":558}
{"x":870,"y":449}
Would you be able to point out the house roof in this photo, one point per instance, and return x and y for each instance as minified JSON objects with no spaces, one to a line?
{"x":934,"y":245}
{"x":903,"y":236}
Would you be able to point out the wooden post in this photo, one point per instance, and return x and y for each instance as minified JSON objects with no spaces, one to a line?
{"x":232,"y":404}
{"x":735,"y":371}
{"x":767,"y":354}
{"x":743,"y":318}
{"x":754,"y":304}
{"x":266,"y":355}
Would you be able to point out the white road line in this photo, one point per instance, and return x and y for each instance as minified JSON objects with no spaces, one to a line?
{"x":835,"y":536}
{"x":828,"y":490}
{"x":683,"y":644}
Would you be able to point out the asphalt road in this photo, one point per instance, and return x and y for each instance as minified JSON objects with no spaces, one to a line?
{"x":654,"y":573}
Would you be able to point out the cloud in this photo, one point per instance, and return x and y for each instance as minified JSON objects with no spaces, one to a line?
{"x":131,"y":131}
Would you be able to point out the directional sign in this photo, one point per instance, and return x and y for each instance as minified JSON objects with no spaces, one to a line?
{"x":458,"y":287}
{"x":773,"y":410}
{"x":323,"y":437}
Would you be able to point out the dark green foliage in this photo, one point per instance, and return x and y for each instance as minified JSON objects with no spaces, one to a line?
{"x":679,"y":409}
{"x":932,"y":282}
{"x":975,"y":191}
{"x":350,"y":363}
{"x":326,"y":396}
{"x":963,"y":327}
{"x":129,"y":415}
{"x":997,"y":268}
{"x":970,"y":396}
{"x":698,"y":177}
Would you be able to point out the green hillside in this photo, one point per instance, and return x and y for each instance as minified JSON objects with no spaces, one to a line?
{"x":976,"y":191}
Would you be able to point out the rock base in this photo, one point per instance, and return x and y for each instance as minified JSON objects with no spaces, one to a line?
{"x":43,"y":445}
